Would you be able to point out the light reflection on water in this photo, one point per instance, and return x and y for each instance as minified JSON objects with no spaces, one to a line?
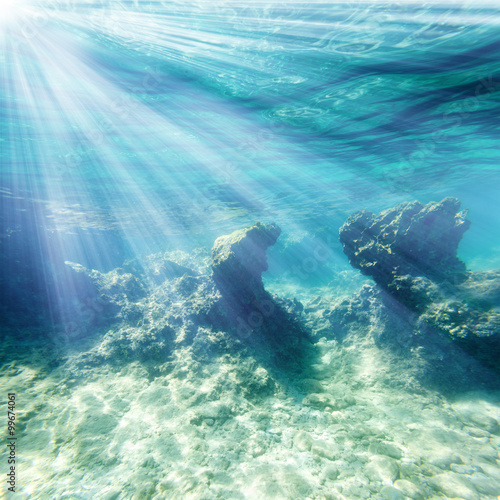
{"x":199,"y":118}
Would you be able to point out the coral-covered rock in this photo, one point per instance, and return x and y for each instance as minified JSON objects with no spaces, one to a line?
{"x":239,"y":259}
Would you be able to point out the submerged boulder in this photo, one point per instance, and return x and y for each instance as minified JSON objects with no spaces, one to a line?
{"x":269,"y":325}
{"x":410,"y":239}
{"x":410,"y":252}
{"x":239,"y":259}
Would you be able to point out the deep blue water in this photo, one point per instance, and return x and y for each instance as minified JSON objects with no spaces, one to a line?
{"x":131,"y":127}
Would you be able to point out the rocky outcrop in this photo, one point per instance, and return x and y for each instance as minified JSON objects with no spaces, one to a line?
{"x":407,"y":241}
{"x":268,"y":324}
{"x":239,"y":259}
{"x":89,"y":299}
{"x":410,"y":251}
{"x":469,"y":314}
{"x":170,"y":301}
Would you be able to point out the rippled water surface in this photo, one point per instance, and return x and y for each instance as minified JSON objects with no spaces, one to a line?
{"x":172,"y":118}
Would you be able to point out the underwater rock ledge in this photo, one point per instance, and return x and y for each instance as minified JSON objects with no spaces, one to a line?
{"x":410,"y":252}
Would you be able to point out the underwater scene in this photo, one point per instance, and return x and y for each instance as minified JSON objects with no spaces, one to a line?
{"x":250,"y":250}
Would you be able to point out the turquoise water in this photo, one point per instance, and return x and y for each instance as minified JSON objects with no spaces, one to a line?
{"x":130,"y":128}
{"x":173,"y":119}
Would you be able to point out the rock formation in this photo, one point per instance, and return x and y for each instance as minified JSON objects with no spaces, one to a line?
{"x":239,"y":259}
{"x":410,"y":251}
{"x":170,"y":301}
{"x":410,"y":239}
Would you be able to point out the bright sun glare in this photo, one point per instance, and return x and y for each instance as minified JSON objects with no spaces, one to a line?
{"x":9,"y":10}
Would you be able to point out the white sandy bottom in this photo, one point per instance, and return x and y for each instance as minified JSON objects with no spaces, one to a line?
{"x":192,"y":433}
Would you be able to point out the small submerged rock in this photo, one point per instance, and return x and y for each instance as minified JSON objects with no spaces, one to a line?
{"x":409,"y":489}
{"x":391,"y":493}
{"x":485,"y":422}
{"x":320,"y":401}
{"x":386,"y":449}
{"x":323,"y":401}
{"x":479,"y":424}
{"x":331,"y":472}
{"x":454,"y":486}
{"x":325,"y":449}
{"x":303,"y":441}
{"x":382,"y":468}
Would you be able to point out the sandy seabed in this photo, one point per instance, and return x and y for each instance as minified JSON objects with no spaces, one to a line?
{"x":225,"y":426}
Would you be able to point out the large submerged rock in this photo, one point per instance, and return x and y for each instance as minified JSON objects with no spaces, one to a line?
{"x":263,"y":321}
{"x":172,"y":301}
{"x":409,"y":239}
{"x":410,"y":251}
{"x":239,"y":259}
